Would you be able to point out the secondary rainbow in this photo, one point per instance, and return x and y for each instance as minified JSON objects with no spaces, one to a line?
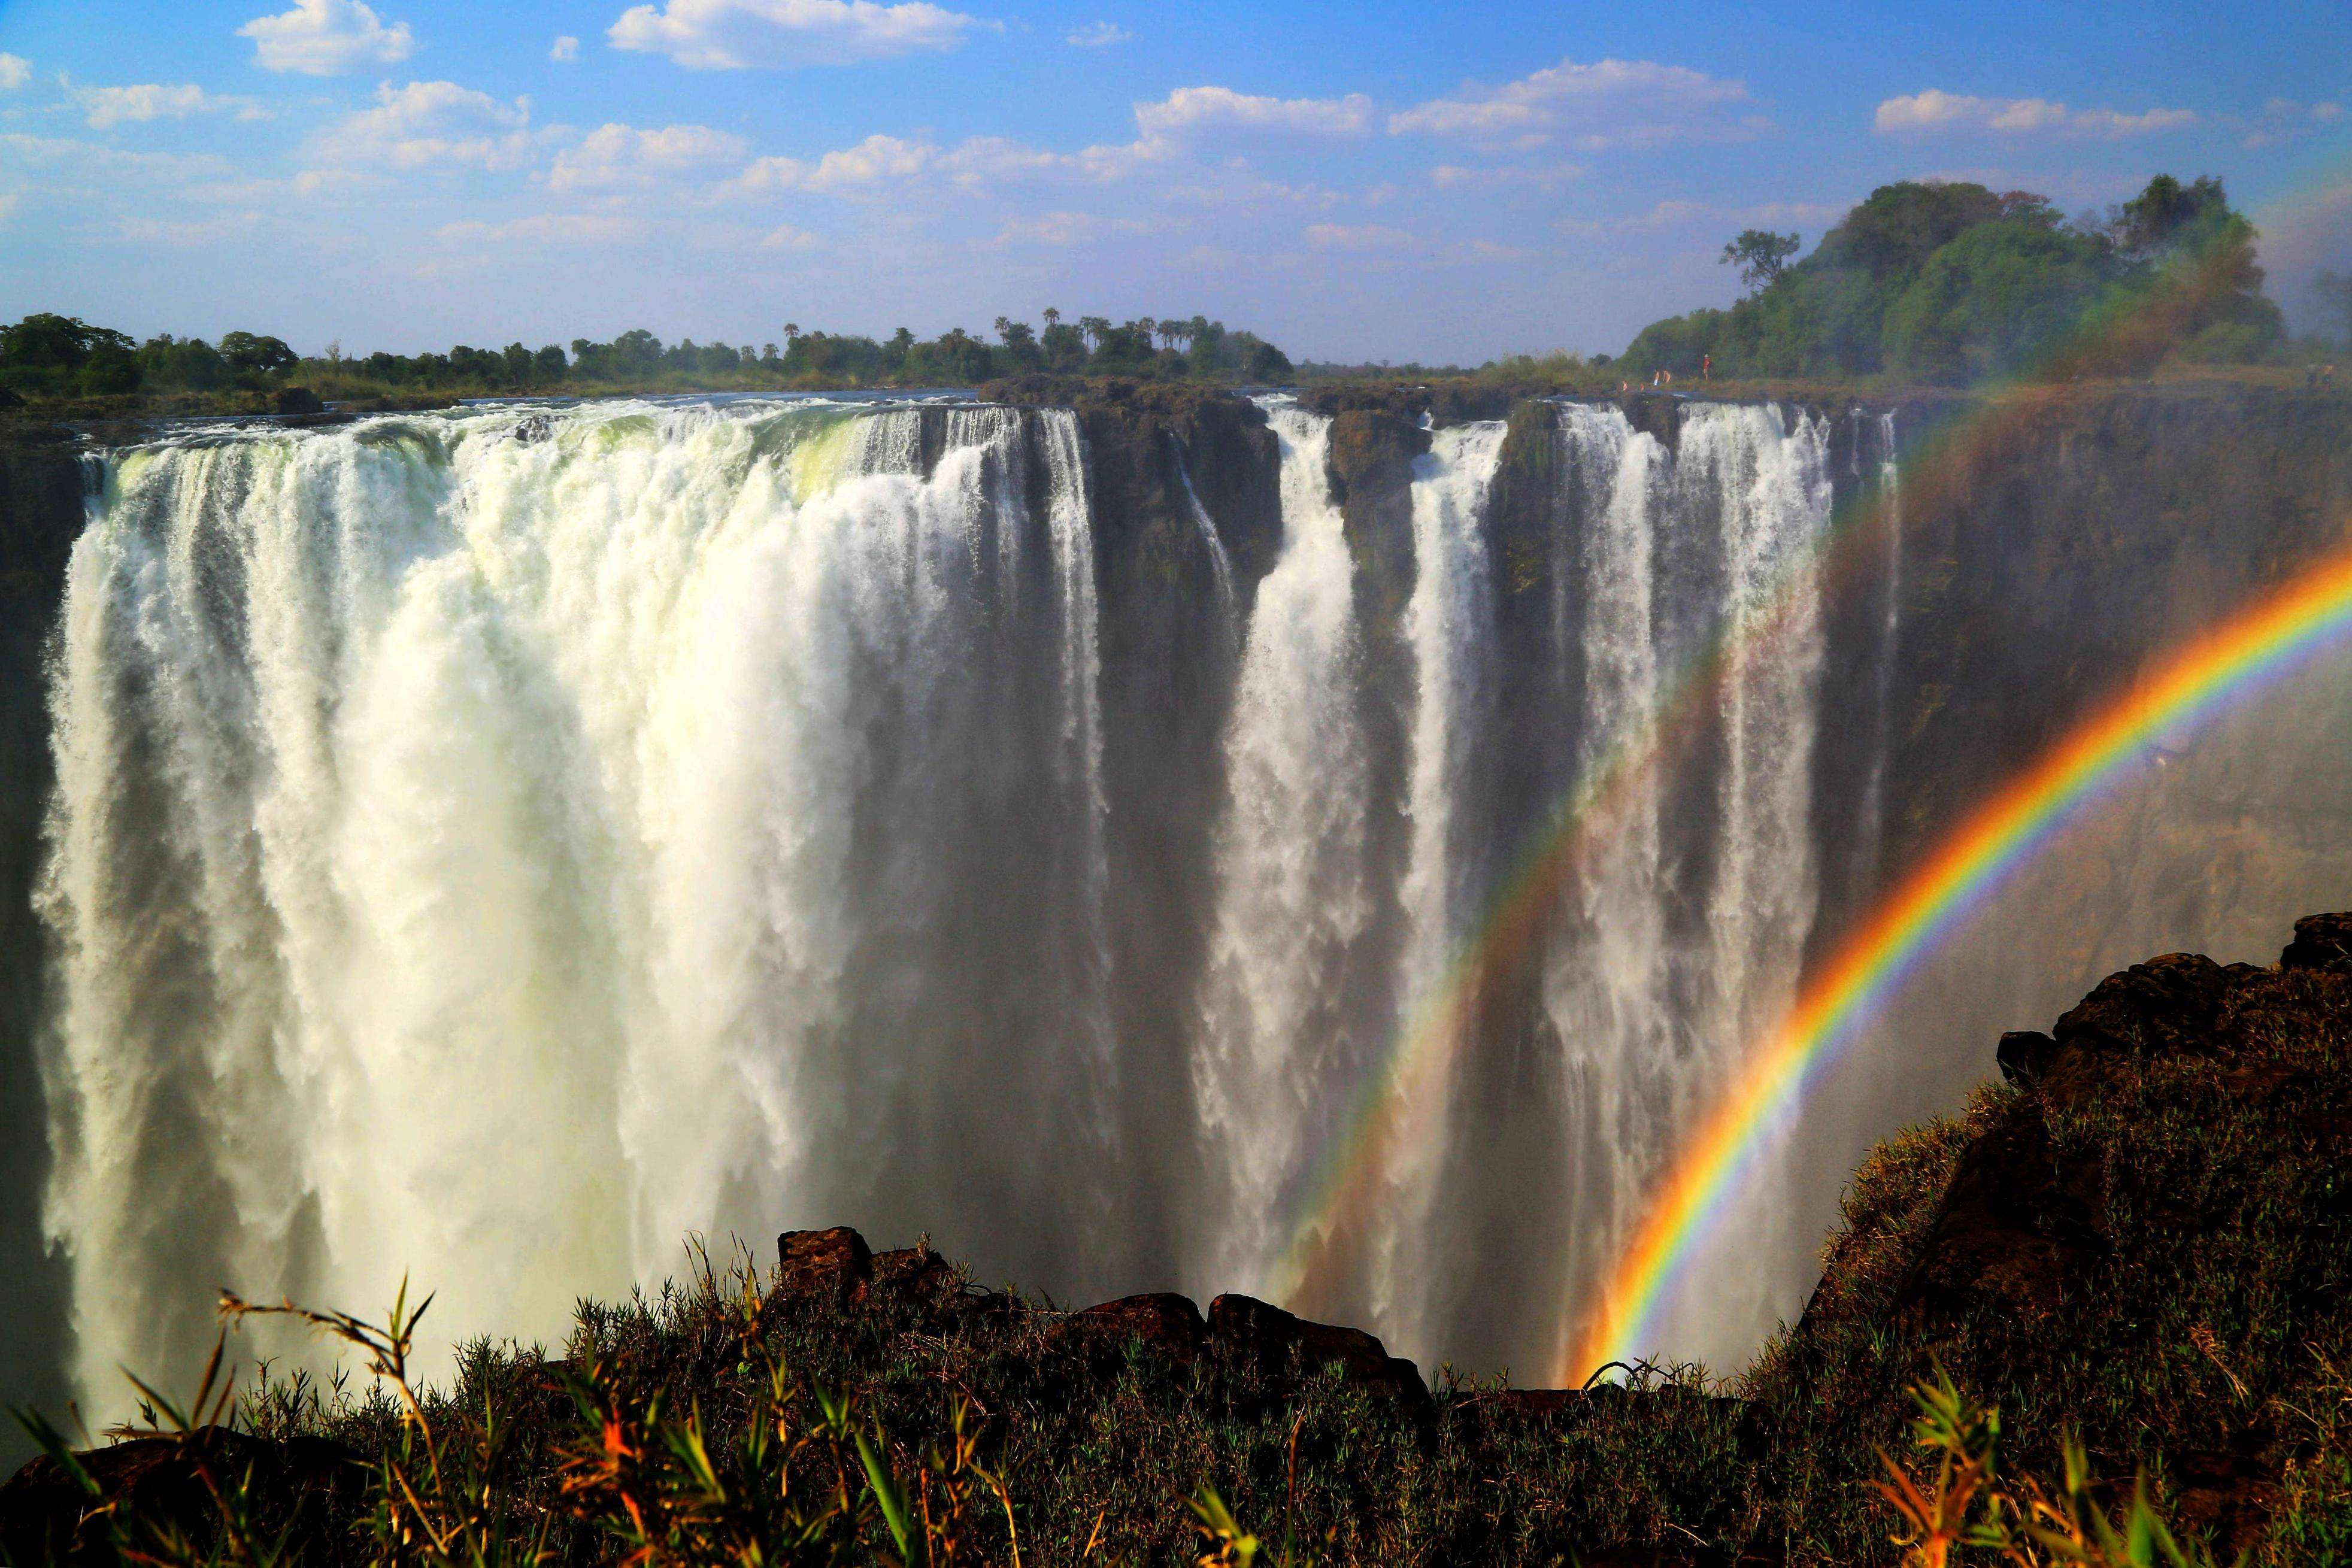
{"x":2311,"y":611}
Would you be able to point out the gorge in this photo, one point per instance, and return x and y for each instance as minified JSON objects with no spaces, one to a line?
{"x":519,"y":838}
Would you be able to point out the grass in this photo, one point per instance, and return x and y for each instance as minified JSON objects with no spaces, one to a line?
{"x":2139,"y":1269}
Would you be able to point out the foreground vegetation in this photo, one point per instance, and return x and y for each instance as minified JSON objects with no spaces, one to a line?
{"x":2114,"y":1292}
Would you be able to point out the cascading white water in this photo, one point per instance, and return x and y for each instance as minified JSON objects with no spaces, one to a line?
{"x":1870,"y":840}
{"x":1684,"y":933}
{"x":1221,"y":563}
{"x":493,"y":846}
{"x":1275,"y":1061}
{"x":1449,"y":629}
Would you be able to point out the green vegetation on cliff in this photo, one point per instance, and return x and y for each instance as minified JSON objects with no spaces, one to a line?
{"x":1949,"y":283}
{"x":2137,"y":1250}
{"x":58,"y":357}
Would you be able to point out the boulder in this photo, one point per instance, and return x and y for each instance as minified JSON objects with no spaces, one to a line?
{"x":2321,"y":942}
{"x":1259,"y":1334}
{"x":834,"y":1262}
{"x":308,"y":1485}
{"x":1167,"y":1323}
{"x":297,"y":400}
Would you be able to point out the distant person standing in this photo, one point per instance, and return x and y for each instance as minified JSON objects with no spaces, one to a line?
{"x":1707,"y":367}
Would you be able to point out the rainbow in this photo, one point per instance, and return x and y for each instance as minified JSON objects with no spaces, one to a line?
{"x":1393,"y":1107}
{"x":2284,"y":627}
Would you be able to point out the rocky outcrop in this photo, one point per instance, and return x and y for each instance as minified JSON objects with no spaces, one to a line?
{"x":40,"y":516}
{"x":304,"y":1489}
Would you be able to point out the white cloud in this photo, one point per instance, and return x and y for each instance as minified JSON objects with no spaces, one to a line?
{"x":1100,"y":36}
{"x":1062,"y":230}
{"x":1938,"y":110}
{"x":143,"y":101}
{"x":434,"y":124}
{"x":977,"y":164}
{"x":1607,"y":103}
{"x":565,"y":48}
{"x":786,"y":237}
{"x":16,"y":70}
{"x":731,"y":35}
{"x":327,"y":38}
{"x":1545,"y":177}
{"x":617,"y":154}
{"x":1190,"y":109}
{"x":1359,"y":237}
{"x":8,"y":203}
{"x":876,"y":160}
{"x":549,"y":228}
{"x":91,"y":158}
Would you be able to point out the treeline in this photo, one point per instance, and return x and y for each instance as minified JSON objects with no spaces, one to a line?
{"x":1951,"y":282}
{"x":60,"y":356}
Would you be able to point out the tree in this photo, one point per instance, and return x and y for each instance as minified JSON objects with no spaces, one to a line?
{"x":257,"y":355}
{"x":2334,"y":291}
{"x":1760,"y":255}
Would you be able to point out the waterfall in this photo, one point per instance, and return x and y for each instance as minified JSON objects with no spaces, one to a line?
{"x":1869,"y":843}
{"x":1274,"y":1058}
{"x":1682,"y":936}
{"x":1449,"y":629}
{"x":490,"y":846}
{"x":1220,"y":563}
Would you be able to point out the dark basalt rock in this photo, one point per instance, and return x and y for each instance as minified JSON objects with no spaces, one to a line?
{"x":305,"y":1485}
{"x":2321,"y":942}
{"x":2015,"y":1228}
{"x":1167,"y":1323}
{"x":1261,"y":1336}
{"x":834,"y":1262}
{"x":297,"y":400}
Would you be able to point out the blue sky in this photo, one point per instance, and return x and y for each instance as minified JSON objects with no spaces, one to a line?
{"x":1364,"y":181}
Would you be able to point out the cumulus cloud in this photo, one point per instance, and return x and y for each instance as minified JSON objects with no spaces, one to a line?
{"x":143,"y":101}
{"x":733,"y":35}
{"x":1100,"y":36}
{"x":1191,"y":108}
{"x":784,"y":236}
{"x":327,"y":38}
{"x":429,"y":124}
{"x":876,"y":160}
{"x":614,"y":154}
{"x":1605,"y":103}
{"x":1166,"y":128}
{"x":16,"y":70}
{"x":565,"y":48}
{"x":1934,"y":111}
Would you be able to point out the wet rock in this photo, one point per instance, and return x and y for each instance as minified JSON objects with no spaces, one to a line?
{"x":2023,"y":1054}
{"x":2013,"y":1230}
{"x":819,"y":1262}
{"x":306,"y":1485}
{"x":1259,"y":1334}
{"x":2321,"y":942}
{"x":912,"y":1271}
{"x":1167,"y":1323}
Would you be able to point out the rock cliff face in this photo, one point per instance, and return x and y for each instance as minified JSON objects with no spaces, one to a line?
{"x":40,"y":514}
{"x":2045,"y":552}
